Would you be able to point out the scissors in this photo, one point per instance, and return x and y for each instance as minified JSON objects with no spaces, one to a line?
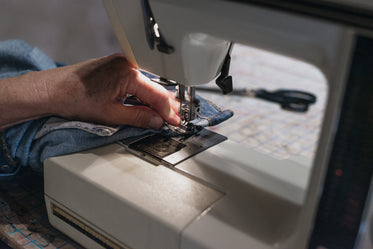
{"x":290,"y":100}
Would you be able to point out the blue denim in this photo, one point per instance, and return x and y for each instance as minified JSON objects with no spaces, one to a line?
{"x":18,"y":145}
{"x":17,"y":58}
{"x":210,"y":114}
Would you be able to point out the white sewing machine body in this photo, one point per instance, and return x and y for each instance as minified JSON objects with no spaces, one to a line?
{"x":226,"y":196}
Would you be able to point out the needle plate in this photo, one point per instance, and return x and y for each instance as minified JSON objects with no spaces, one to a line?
{"x":169,"y":151}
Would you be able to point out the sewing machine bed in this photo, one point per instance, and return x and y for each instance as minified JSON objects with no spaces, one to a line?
{"x":259,"y":125}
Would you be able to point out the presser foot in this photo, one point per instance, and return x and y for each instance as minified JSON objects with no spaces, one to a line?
{"x":184,"y":128}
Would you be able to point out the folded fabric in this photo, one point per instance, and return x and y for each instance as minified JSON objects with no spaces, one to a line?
{"x":30,"y":143}
{"x":57,"y":123}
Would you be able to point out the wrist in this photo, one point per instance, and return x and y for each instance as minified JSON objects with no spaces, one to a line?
{"x":22,"y":99}
{"x":35,"y":94}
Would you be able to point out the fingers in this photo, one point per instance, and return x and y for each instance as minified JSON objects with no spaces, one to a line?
{"x":99,"y":84}
{"x":175,"y":103}
{"x":139,"y":116}
{"x":135,"y":83}
{"x":155,"y":96}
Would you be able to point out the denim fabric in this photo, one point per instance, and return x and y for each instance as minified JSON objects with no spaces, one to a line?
{"x":65,"y":141}
{"x":8,"y":166}
{"x":20,"y":145}
{"x":210,"y":114}
{"x":57,"y":123}
{"x":17,"y":58}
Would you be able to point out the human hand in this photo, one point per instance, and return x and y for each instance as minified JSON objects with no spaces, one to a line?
{"x":87,"y":91}
{"x":91,"y":91}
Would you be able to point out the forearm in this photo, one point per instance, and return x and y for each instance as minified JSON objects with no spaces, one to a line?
{"x":23,"y":98}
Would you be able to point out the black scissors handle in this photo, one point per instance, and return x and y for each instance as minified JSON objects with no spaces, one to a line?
{"x":291,"y":100}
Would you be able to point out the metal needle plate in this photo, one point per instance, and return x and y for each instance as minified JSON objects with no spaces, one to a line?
{"x":169,"y":151}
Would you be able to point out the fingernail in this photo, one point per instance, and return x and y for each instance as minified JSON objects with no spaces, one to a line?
{"x":155,"y":122}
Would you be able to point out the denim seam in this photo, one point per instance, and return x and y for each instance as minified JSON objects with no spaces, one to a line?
{"x":5,"y":150}
{"x":211,"y":103}
{"x":7,"y":157}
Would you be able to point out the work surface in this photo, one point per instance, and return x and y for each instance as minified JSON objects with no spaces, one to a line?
{"x":260,"y":125}
{"x":23,"y":218}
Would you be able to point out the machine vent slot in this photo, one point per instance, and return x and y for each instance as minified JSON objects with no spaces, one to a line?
{"x":84,"y":228}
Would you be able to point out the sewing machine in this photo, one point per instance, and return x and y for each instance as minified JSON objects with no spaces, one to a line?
{"x":224,"y":195}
